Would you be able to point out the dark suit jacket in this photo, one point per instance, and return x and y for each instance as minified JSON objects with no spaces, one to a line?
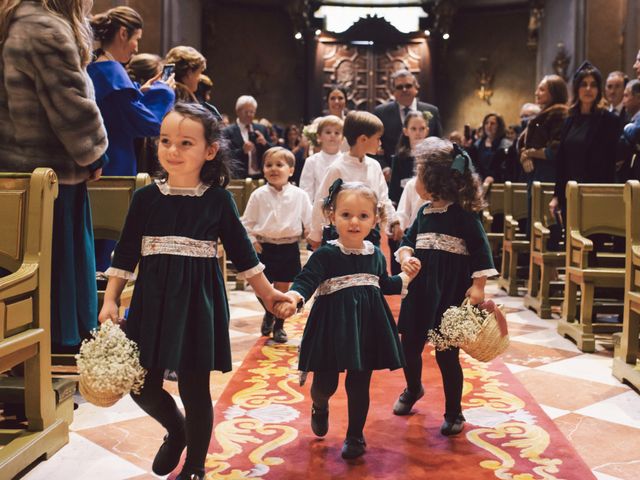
{"x":389,"y":113}
{"x":598,"y":165}
{"x":240,"y":160}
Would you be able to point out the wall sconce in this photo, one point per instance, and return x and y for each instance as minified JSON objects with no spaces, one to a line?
{"x":561,"y":61}
{"x":484,"y":78}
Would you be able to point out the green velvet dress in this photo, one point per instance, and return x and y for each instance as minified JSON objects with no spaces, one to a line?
{"x":351,"y":328}
{"x":179,"y":314}
{"x":452,"y":247}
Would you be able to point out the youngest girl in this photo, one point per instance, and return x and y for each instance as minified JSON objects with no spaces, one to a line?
{"x":449,"y":242}
{"x":350,"y":326}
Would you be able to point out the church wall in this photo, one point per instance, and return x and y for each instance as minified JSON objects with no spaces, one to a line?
{"x":500,"y":36}
{"x":252,"y":51}
{"x":604,"y":29}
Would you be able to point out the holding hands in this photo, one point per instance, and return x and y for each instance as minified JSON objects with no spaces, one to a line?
{"x":285,"y":309}
{"x":411,"y":266}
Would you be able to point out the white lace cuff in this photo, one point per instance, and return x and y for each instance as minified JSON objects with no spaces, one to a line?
{"x":252,"y":272}
{"x":405,"y":284}
{"x":491,"y":272}
{"x":116,"y":272}
{"x":400,"y":250}
{"x":298,"y":297}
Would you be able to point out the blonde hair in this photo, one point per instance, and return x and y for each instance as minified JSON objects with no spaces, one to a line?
{"x":280,"y":152}
{"x":74,"y":12}
{"x":186,"y":59}
{"x":329,"y":121}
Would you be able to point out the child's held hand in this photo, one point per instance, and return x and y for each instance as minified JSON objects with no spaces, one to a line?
{"x":257,"y":247}
{"x":314,"y":245}
{"x":109,"y":311}
{"x":285,"y":309}
{"x":411,"y":266}
{"x":274,"y":297}
{"x":475,"y":294}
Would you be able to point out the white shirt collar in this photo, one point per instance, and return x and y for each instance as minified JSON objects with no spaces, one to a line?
{"x":368,"y":248}
{"x":278,"y":192}
{"x":429,"y":209}
{"x":351,"y":159}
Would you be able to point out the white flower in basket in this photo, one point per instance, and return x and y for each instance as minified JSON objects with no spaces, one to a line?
{"x":311,"y":132}
{"x":109,"y":366}
{"x":482,"y":333}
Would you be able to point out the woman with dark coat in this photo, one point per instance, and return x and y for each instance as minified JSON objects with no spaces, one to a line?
{"x":487,"y":152}
{"x":588,"y":139}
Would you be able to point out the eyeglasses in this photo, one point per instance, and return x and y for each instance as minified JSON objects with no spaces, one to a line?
{"x":406,"y":86}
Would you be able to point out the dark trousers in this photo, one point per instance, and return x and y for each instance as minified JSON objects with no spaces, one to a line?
{"x":356,"y":384}
{"x":196,"y":397}
{"x":450,"y":369}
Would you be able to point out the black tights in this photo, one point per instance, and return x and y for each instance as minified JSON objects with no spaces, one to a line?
{"x":449,"y":363}
{"x":196,"y":397}
{"x":356,"y":384}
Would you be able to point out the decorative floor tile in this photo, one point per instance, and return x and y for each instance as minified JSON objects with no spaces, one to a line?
{"x":623,"y":409}
{"x":529,"y":355}
{"x":552,"y":412}
{"x":586,"y":366}
{"x":548,"y":338}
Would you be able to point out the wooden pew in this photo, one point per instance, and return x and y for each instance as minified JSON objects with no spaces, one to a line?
{"x":542,"y":261}
{"x":591,"y":209}
{"x":627,"y":350}
{"x":109,"y":198}
{"x":26,"y":216}
{"x":515,"y":241}
{"x":241,"y":191}
{"x":495,"y":207}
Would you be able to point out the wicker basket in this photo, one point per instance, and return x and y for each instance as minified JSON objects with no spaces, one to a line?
{"x":489,"y":343}
{"x":100,"y":399}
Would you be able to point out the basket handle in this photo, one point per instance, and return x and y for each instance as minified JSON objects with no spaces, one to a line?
{"x":490,"y":307}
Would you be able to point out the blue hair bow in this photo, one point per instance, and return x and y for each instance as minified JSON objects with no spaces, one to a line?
{"x":461,"y":160}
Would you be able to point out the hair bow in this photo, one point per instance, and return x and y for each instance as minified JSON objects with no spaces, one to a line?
{"x":461,"y":160}
{"x":586,"y":65}
{"x":334,"y":189}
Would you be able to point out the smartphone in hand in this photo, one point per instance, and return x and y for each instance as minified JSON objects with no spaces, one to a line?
{"x":167,"y":71}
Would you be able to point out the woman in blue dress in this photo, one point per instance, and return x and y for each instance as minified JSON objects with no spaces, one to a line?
{"x":129,"y":112}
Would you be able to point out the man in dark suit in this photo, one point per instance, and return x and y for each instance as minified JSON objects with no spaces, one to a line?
{"x":392,"y":113}
{"x":248,"y":140}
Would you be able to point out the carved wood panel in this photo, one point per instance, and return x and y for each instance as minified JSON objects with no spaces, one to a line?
{"x":365,"y":70}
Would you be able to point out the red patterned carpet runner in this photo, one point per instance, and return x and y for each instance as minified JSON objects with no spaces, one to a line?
{"x":262,"y":427}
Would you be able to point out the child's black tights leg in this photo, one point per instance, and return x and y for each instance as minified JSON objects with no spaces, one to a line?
{"x":324,"y":386}
{"x":196,"y":397}
{"x":452,"y":379}
{"x":357,"y":387}
{"x":159,"y":404}
{"x":413,"y":347}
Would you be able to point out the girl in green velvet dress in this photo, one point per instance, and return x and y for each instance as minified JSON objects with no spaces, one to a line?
{"x":350,"y":326}
{"x":179,"y":315}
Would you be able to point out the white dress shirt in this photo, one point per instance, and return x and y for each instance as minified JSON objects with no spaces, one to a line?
{"x":350,"y":169}
{"x":252,"y":164}
{"x":409,"y":204}
{"x":313,"y":172}
{"x":276,"y":216}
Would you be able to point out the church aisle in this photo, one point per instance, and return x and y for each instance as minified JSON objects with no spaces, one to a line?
{"x":597,"y":414}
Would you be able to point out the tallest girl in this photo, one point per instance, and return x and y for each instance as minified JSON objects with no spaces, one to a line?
{"x":129,"y":112}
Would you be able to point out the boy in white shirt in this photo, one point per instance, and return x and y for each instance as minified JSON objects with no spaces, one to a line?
{"x":363,"y":131}
{"x":330,"y":137}
{"x":277,"y":215}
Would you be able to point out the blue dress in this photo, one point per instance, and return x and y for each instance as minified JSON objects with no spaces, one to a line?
{"x":127,"y":112}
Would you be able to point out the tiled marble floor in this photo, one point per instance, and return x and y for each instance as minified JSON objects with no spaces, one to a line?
{"x":600,"y":416}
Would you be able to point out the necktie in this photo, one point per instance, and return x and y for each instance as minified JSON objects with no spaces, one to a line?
{"x":406,"y":111}
{"x":253,"y":160}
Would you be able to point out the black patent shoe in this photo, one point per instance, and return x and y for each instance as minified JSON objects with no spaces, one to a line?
{"x":353,"y":447}
{"x":190,"y":476}
{"x":406,"y":401}
{"x":454,"y":427}
{"x":319,"y":421}
{"x":279,"y":335}
{"x":168,"y":455}
{"x":267,"y":324}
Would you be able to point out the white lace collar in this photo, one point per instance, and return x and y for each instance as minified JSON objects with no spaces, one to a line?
{"x":429,"y":209}
{"x":367,"y":250}
{"x":167,"y":189}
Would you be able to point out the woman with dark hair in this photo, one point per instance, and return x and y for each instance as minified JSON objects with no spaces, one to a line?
{"x":189,"y":66}
{"x":129,"y":112}
{"x":487,"y":151}
{"x":298,"y":145}
{"x":588,"y":140}
{"x":539,"y":142}
{"x":337,"y":105}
